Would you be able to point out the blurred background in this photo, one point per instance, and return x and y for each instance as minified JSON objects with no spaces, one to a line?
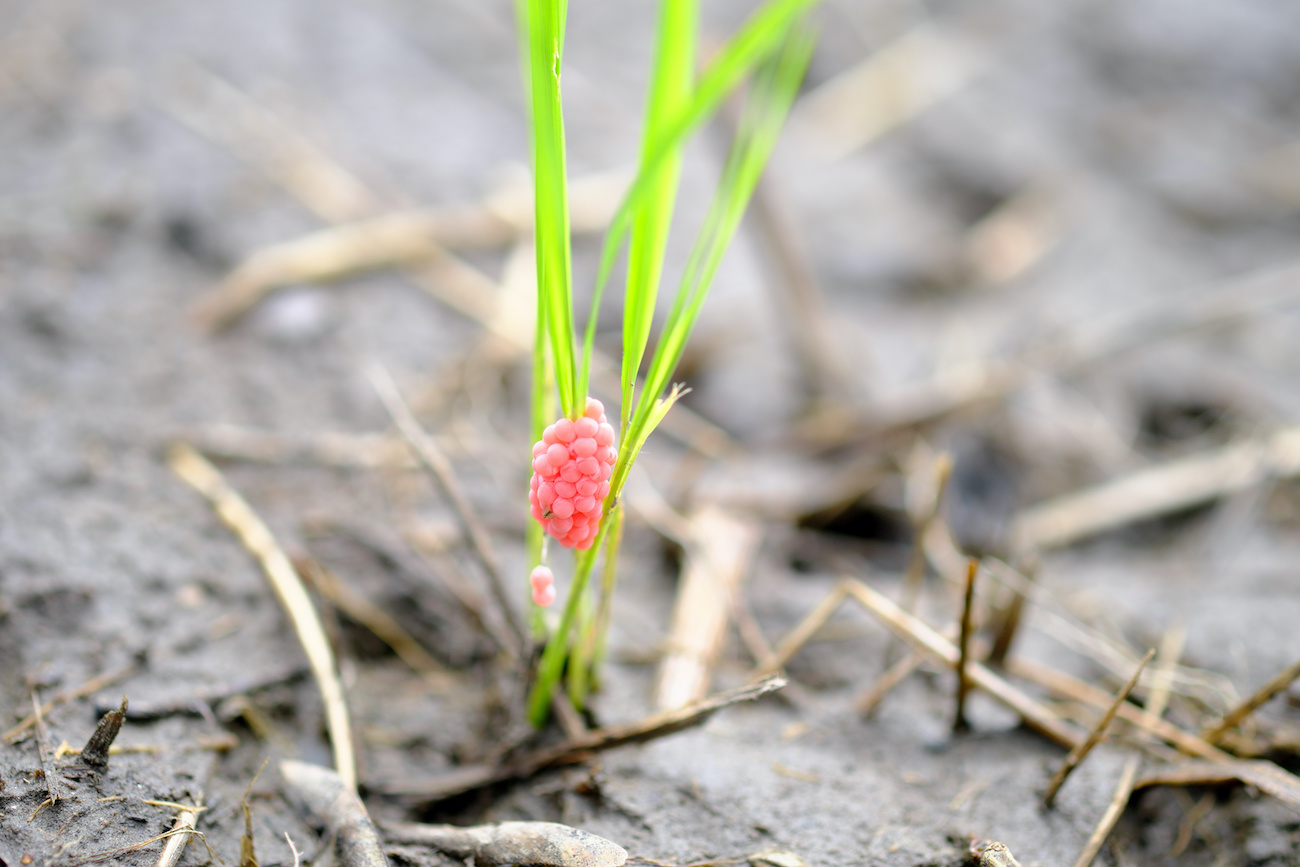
{"x":1056,"y":242}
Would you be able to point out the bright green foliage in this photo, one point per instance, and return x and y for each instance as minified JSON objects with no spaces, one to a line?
{"x":551,"y":202}
{"x":772,"y":49}
{"x":670,"y":93}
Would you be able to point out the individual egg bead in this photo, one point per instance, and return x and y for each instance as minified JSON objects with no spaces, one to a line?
{"x":585,"y":487}
{"x":587,"y":466}
{"x":539,"y":447}
{"x":586,"y":427}
{"x":604,"y":434}
{"x":565,"y":489}
{"x":543,"y":467}
{"x":562,"y":507}
{"x":584,"y":447}
{"x":546,"y":494}
{"x":564,"y":431}
{"x":595,"y":409}
{"x":548,"y":434}
{"x":571,"y":471}
{"x":541,"y":576}
{"x":584,"y":505}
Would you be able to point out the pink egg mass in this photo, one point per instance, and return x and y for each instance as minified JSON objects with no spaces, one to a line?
{"x":572,"y":464}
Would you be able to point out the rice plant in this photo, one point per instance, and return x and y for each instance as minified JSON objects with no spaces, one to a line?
{"x":580,"y":461}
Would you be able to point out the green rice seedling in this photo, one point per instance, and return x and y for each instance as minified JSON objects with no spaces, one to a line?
{"x":580,"y":461}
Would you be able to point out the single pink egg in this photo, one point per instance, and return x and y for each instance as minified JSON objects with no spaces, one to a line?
{"x":605,"y":434}
{"x":588,"y":466}
{"x":565,"y":489}
{"x":562,"y":507}
{"x":586,"y":427}
{"x":586,"y":487}
{"x":546,"y":494}
{"x":595,"y":409}
{"x":564,"y":431}
{"x":543,"y":467}
{"x":584,"y":447}
{"x":541,"y":576}
{"x":548,"y":434}
{"x":570,"y":472}
{"x":557,"y":454}
{"x":545,"y":597}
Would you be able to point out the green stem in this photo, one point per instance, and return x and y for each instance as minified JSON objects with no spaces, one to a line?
{"x":553,"y":657}
{"x":608,"y":579}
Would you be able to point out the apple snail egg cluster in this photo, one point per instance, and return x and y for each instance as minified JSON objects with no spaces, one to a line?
{"x":572,"y":464}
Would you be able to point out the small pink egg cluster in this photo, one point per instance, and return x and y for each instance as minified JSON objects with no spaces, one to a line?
{"x":543,"y":581}
{"x":571,"y":468}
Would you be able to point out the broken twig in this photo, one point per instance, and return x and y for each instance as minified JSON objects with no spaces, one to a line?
{"x":94,"y":754}
{"x":543,"y":844}
{"x":657,"y":725}
{"x":335,"y":803}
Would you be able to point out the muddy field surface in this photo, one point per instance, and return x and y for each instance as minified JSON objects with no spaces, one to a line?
{"x":1054,"y":241}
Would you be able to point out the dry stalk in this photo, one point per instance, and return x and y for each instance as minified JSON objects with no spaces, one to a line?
{"x":716,"y":562}
{"x":182,"y":830}
{"x":926,"y":640}
{"x":885,"y":91}
{"x":1237,"y":303}
{"x":471,"y":777}
{"x":1170,"y":649}
{"x":253,"y":533}
{"x":90,"y":687}
{"x":42,"y":737}
{"x":1073,"y":689}
{"x":1158,"y":490}
{"x":1008,"y":623}
{"x":912,"y":578}
{"x":378,"y":621}
{"x":1265,"y":776}
{"x":893,"y":676}
{"x":959,"y":723}
{"x":1118,"y":801}
{"x":1214,"y":733}
{"x":433,"y":460}
{"x":1079,"y":753}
